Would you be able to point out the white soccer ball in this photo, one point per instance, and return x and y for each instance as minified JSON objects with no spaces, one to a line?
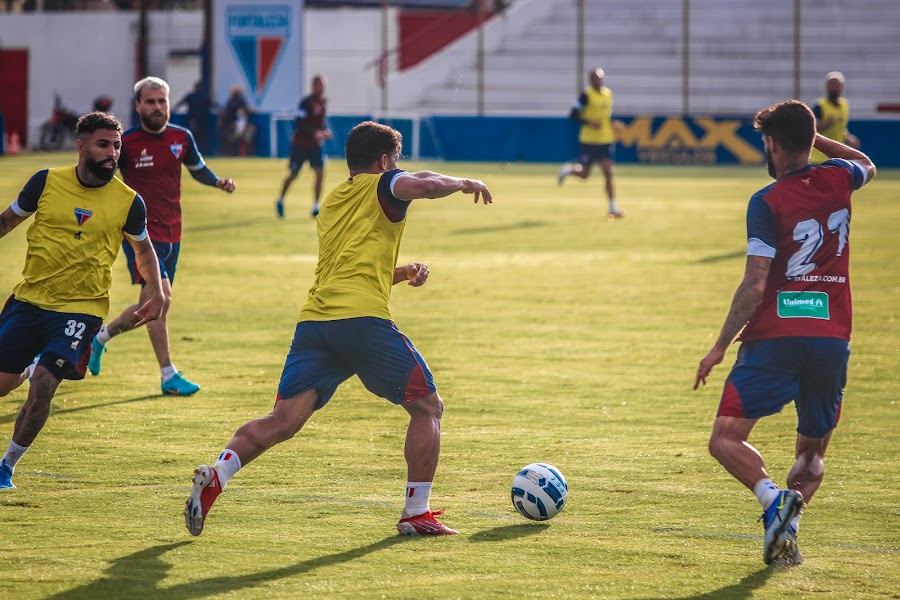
{"x":539,"y":491}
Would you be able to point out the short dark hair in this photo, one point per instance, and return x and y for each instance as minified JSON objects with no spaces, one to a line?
{"x":93,"y":121}
{"x":792,"y":124}
{"x":368,"y":141}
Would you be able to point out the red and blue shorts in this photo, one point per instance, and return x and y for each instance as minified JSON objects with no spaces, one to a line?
{"x":63,"y":340}
{"x":324,"y":354}
{"x":771,"y":373}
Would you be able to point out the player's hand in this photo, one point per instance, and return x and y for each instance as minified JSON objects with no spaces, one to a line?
{"x":151,"y":310}
{"x":852,"y":141}
{"x":416,"y":274}
{"x":326,"y":133}
{"x":477,"y":187}
{"x":618,"y":125}
{"x":226,"y":185}
{"x":715,"y":356}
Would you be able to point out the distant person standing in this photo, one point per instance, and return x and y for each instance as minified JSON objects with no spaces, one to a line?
{"x":833,"y":115}
{"x":235,"y":108}
{"x":597,"y":138}
{"x":793,"y":312}
{"x":198,"y":108}
{"x":310,"y":132}
{"x":151,"y":161}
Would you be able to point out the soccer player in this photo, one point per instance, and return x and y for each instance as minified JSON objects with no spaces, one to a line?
{"x":832,"y":115}
{"x":345,"y":328}
{"x":80,"y":214}
{"x":152,"y":155}
{"x":598,"y":139}
{"x":793,"y":305}
{"x":310,"y":132}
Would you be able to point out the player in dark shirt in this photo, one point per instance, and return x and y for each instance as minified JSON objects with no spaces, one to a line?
{"x":151,"y":160}
{"x":310,"y":132}
{"x":795,"y":311}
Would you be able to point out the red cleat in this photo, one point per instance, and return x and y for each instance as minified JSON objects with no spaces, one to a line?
{"x":206,"y":489}
{"x":424,"y":524}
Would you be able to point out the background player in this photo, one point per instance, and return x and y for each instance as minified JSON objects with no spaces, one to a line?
{"x":597,"y":137}
{"x":346,"y":327}
{"x":152,"y":155}
{"x":795,"y":302}
{"x":833,"y":114}
{"x":80,"y":214}
{"x":310,"y":132}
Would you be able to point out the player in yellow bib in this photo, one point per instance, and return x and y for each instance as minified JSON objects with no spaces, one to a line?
{"x":832,"y":116}
{"x":346,"y":328}
{"x":80,"y":215}
{"x":597,"y":137}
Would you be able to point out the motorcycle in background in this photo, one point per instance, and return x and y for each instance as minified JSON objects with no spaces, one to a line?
{"x":59,"y":128}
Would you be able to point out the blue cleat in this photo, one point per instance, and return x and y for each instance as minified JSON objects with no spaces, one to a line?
{"x":6,"y":476}
{"x":97,"y":350}
{"x":179,"y":386}
{"x":777,"y":521}
{"x":315,"y":210}
{"x":279,"y":208}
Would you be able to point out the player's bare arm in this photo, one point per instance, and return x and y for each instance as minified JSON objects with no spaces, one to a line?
{"x":427,"y":184}
{"x":746,"y":299}
{"x":9,"y":220}
{"x":415,"y":273}
{"x":148,"y":267}
{"x":834,"y":149}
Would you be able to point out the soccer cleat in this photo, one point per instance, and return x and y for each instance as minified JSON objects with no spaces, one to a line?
{"x":424,"y":524}
{"x":206,"y":490}
{"x":777,"y":520}
{"x":790,"y":556}
{"x":563,"y":173}
{"x":97,"y":350}
{"x":279,"y":208}
{"x":179,"y":386}
{"x":616,"y":214}
{"x":6,"y":476}
{"x":315,"y":210}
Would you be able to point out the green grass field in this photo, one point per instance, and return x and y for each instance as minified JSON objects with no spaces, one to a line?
{"x":554,"y":336}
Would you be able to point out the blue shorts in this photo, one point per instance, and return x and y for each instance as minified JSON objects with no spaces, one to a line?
{"x":593,"y":153}
{"x":301,"y":154}
{"x":166,"y":254}
{"x":62,"y":339}
{"x":769,"y":374}
{"x":324,"y":354}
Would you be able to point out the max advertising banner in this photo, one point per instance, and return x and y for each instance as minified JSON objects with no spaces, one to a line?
{"x":259,"y":47}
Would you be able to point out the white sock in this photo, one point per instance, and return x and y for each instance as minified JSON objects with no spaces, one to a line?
{"x":103,"y":337}
{"x":13,"y":454}
{"x":766,"y":492}
{"x":417,"y":496}
{"x":227,"y":465}
{"x":612,"y":205}
{"x":168,"y":373}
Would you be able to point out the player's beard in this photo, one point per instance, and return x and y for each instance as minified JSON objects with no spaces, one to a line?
{"x":103,"y":173}
{"x":834,"y":97}
{"x":770,"y":165}
{"x":154,"y":121}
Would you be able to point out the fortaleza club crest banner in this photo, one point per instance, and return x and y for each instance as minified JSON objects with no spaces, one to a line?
{"x":258,"y":46}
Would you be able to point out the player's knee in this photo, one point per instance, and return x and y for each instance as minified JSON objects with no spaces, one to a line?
{"x":430,"y":406}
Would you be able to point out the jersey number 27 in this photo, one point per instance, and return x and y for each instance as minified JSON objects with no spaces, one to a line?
{"x":811,"y":235}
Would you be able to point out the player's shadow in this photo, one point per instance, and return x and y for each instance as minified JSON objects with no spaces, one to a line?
{"x":139,"y":575}
{"x":508,"y":532}
{"x":499,"y":228}
{"x":54,"y":412}
{"x":720,"y":257}
{"x":742,"y":590}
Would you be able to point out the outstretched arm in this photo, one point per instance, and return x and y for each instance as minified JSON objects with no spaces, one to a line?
{"x":9,"y":220}
{"x":746,"y":299}
{"x":427,"y":184}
